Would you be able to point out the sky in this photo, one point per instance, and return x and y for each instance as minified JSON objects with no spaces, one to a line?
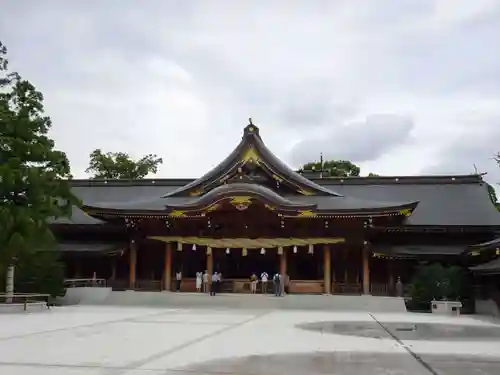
{"x":399,"y":87}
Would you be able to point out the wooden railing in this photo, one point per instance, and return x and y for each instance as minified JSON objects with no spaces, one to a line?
{"x":379,"y":289}
{"x":87,"y":283}
{"x":25,"y":299}
{"x":243,"y":286}
{"x":346,"y":288}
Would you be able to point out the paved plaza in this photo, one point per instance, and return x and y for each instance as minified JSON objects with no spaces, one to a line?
{"x":85,"y":340}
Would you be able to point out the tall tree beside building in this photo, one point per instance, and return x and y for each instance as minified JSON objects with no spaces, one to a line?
{"x":34,"y":175}
{"x":119,"y":165}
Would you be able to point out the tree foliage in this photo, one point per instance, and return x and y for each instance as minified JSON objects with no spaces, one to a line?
{"x":336,"y":168}
{"x":436,"y":282}
{"x":119,"y":165}
{"x":40,"y":272}
{"x":34,"y":175}
{"x":493,"y":194}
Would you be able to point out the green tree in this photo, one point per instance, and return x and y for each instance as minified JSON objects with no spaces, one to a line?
{"x":435,"y":282}
{"x":34,"y":176}
{"x":373,"y":175}
{"x":493,"y":194}
{"x":119,"y":165}
{"x":336,"y":168}
{"x":39,"y":272}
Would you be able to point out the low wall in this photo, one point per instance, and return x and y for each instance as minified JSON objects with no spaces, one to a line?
{"x":9,"y":308}
{"x":487,"y":307}
{"x":88,"y":295}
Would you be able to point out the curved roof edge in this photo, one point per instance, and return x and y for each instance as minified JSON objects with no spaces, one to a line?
{"x":252,"y":150}
{"x":242,"y":189}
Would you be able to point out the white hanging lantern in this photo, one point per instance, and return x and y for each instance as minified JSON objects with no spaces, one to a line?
{"x":311,"y":248}
{"x":194,"y":247}
{"x":295,"y":249}
{"x":244,"y":252}
{"x":262,"y":251}
{"x":209,"y":250}
{"x":179,"y":246}
{"x":228,"y":251}
{"x":280,"y":250}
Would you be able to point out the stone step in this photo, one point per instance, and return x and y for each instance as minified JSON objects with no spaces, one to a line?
{"x":246,"y":301}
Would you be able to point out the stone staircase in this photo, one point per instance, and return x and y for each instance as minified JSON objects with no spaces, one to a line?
{"x":246,"y":301}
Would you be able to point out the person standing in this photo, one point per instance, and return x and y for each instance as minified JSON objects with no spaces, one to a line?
{"x":277,"y":286}
{"x":253,"y":283}
{"x":399,"y":288}
{"x":263,"y":279}
{"x":178,"y":280}
{"x":205,"y":281}
{"x":198,"y":281}
{"x":213,"y":289}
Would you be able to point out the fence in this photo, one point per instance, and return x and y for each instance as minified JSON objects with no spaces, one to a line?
{"x":25,"y":299}
{"x":85,"y":283}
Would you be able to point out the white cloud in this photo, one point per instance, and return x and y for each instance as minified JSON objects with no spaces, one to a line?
{"x":404,"y":87}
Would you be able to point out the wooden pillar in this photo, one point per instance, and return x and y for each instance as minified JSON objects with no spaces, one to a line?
{"x":366,"y":270}
{"x":132,"y":265}
{"x":113,"y":268}
{"x":167,"y":267}
{"x":390,"y":281}
{"x":283,"y":263}
{"x":210,"y":268}
{"x":327,"y":268}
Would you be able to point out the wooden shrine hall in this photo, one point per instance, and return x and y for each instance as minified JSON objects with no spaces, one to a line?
{"x":252,"y":213}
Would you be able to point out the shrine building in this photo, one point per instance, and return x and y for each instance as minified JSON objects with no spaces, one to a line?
{"x":252,"y":213}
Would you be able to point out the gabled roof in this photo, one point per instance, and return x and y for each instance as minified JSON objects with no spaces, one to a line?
{"x":251,"y":151}
{"x":452,"y":200}
{"x":242,"y":194}
{"x":246,"y":175}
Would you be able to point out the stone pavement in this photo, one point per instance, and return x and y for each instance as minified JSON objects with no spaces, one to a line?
{"x":92,"y":340}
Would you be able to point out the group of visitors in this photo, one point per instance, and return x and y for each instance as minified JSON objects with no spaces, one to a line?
{"x":280,"y":283}
{"x":202,"y":282}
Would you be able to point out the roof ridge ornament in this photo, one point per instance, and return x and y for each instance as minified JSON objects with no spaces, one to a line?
{"x":250,"y":129}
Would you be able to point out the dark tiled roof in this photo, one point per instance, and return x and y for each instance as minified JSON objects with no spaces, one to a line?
{"x":489,"y":245}
{"x":341,"y":203}
{"x":419,"y":250}
{"x":88,"y":247}
{"x":490,"y":268}
{"x":443,"y":200}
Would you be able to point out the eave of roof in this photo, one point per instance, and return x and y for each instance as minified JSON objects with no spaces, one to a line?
{"x":298,"y":205}
{"x":418,"y":250}
{"x":88,"y":247}
{"x":491,"y":268}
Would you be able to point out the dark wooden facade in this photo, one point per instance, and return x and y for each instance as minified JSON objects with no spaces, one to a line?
{"x":252,"y":213}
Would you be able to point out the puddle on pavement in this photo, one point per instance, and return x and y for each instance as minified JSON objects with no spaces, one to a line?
{"x":418,"y":331}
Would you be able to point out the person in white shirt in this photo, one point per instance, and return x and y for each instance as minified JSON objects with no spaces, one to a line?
{"x":215,"y":283}
{"x":178,"y":281}
{"x":263,"y":279}
{"x":198,"y":281}
{"x":205,"y":281}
